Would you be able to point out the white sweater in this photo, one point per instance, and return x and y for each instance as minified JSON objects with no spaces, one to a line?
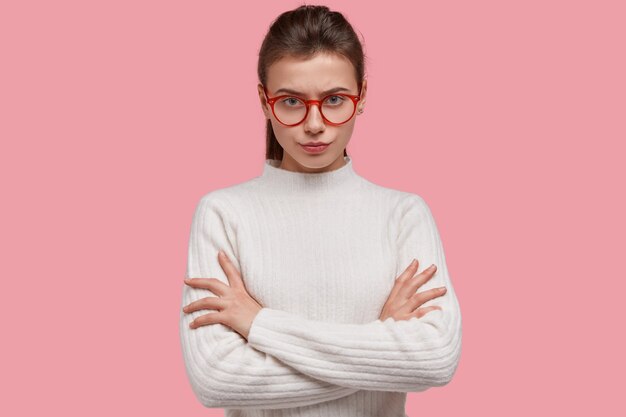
{"x":320,"y":252}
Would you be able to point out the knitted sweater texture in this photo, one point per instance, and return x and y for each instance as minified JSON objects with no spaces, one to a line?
{"x":320,"y":252}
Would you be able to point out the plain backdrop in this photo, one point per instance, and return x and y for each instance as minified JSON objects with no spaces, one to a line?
{"x":116,"y":117}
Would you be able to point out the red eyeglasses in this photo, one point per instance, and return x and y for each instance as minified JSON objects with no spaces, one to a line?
{"x":336,"y":109}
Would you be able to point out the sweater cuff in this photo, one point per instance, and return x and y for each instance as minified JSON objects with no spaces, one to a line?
{"x":258,"y":324}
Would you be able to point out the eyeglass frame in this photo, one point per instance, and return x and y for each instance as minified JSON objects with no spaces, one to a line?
{"x":318,"y":103}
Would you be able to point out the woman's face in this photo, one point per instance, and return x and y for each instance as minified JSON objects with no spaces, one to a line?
{"x":311,"y":78}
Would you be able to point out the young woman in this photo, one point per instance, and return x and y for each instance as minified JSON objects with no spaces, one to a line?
{"x":301,"y":297}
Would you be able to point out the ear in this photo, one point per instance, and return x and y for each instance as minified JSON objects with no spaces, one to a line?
{"x":264,"y":106}
{"x":361,"y":103}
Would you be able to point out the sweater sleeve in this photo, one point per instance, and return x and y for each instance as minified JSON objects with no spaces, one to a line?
{"x":405,"y":355}
{"x":224,"y":371}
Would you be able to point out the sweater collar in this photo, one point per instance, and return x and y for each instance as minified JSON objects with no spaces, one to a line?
{"x":292,"y":181}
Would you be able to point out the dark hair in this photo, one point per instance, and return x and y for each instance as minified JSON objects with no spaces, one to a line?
{"x":302,"y":33}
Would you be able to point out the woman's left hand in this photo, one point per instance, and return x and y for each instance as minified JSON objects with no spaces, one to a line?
{"x":237,"y":309}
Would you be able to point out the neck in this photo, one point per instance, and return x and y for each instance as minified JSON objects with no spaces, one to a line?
{"x":297,"y":182}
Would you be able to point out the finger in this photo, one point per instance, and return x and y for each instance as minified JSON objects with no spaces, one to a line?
{"x":421,"y":297}
{"x":211,"y":318}
{"x":234,"y":278}
{"x":214,"y":285}
{"x":420,"y":312}
{"x":419,"y":280}
{"x":408,"y":272}
{"x":207,"y":303}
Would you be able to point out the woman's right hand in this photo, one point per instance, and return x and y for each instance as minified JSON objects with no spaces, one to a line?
{"x":403,"y":299}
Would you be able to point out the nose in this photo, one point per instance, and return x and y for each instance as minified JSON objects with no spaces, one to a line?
{"x":314,"y":121}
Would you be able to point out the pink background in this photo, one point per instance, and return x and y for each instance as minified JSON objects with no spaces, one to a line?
{"x":117,"y":116}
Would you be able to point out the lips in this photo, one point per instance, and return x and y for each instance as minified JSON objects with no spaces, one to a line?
{"x":315,"y":149}
{"x":314,"y":144}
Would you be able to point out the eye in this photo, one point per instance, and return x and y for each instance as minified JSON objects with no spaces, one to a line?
{"x":291,"y":101}
{"x":335,"y":100}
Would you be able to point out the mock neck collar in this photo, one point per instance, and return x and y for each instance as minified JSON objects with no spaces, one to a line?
{"x":304,"y":182}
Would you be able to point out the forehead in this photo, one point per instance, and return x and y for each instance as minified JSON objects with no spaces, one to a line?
{"x":311,"y":76}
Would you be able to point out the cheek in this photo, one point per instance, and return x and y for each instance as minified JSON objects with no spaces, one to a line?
{"x":345,"y":131}
{"x":284,"y":135}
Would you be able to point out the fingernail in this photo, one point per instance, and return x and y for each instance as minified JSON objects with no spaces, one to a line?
{"x":187,"y":280}
{"x":431,"y":267}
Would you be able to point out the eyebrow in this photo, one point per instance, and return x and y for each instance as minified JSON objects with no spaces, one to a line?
{"x":290,"y":91}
